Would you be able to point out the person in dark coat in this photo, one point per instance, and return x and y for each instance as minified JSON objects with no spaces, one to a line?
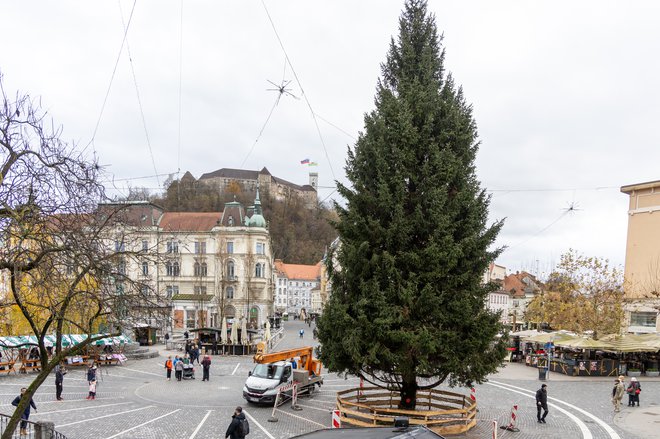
{"x":234,"y":430}
{"x":542,"y":403}
{"x":206,"y":367}
{"x":60,"y":371}
{"x":26,"y":414}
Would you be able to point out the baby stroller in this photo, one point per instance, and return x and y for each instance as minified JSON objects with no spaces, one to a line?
{"x":188,"y":372}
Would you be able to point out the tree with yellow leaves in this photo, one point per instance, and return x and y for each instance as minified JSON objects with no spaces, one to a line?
{"x":63,"y":259}
{"x":583,"y":294}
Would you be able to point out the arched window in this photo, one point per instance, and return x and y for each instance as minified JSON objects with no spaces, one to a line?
{"x":176,"y":270}
{"x":145,"y":268}
{"x":230,"y":269}
{"x":230,"y":292}
{"x":258,"y":271}
{"x":204,"y":271}
{"x":197,"y":269}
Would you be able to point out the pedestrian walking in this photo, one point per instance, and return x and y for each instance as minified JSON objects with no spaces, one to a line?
{"x":168,"y":367}
{"x":633,"y":391}
{"x":542,"y":403}
{"x":206,"y":367}
{"x":239,"y":427}
{"x":617,"y":394}
{"x":91,"y":372}
{"x":26,"y":414}
{"x":60,"y":371}
{"x":302,"y":333}
{"x":178,"y":370}
{"x":92,"y":389}
{"x":185,"y":335}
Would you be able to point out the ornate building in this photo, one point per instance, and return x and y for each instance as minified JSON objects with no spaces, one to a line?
{"x":205,"y":265}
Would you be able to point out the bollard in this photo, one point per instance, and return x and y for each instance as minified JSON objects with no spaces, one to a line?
{"x":494,"y":429}
{"x":512,"y":422}
{"x":44,"y":430}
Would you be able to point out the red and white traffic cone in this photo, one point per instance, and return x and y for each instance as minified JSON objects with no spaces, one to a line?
{"x":473,"y":395}
{"x":512,"y":422}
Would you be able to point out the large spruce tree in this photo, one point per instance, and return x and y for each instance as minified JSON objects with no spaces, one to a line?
{"x":407,"y":309}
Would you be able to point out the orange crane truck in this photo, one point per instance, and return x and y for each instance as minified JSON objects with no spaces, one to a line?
{"x":280,"y":369}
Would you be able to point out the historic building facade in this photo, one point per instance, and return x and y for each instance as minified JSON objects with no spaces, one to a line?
{"x":642,"y":266}
{"x":248,"y":181}
{"x":295,"y":287}
{"x":204,"y":265}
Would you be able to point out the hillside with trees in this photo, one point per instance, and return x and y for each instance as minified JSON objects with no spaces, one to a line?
{"x":299,"y":234}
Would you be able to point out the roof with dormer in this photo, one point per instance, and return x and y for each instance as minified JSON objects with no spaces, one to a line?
{"x":190,"y":221}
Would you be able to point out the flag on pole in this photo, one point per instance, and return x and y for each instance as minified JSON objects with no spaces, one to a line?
{"x":304,"y":162}
{"x":313,"y":164}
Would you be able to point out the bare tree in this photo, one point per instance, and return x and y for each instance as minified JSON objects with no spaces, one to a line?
{"x":66,"y":260}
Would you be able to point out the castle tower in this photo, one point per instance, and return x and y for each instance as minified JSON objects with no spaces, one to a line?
{"x":314,"y":180}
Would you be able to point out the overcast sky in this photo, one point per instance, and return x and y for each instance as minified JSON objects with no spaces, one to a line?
{"x":566,"y":96}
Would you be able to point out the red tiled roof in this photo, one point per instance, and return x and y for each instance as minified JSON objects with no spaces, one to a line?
{"x":298,"y":271}
{"x":189,"y":221}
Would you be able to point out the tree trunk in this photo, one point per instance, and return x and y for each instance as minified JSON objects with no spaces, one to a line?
{"x":408,"y":394}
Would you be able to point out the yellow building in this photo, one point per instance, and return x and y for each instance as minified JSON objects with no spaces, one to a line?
{"x":642,"y":269}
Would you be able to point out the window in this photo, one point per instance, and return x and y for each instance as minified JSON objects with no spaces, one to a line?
{"x":259,"y":270}
{"x":190,"y":319}
{"x":199,"y":289}
{"x":230,"y":270}
{"x":230,"y":247}
{"x":119,"y":289}
{"x":172,"y":269}
{"x":646,"y":319}
{"x":145,"y":246}
{"x":230,"y":221}
{"x":172,"y":290}
{"x":69,"y":268}
{"x":172,"y":246}
{"x":145,"y":268}
{"x":200,"y":247}
{"x":119,"y":246}
{"x":121,"y":267}
{"x":144,"y":290}
{"x":261,"y":248}
{"x":200,"y":269}
{"x":230,"y":292}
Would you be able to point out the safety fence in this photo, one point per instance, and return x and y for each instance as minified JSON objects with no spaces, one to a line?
{"x":32,"y":430}
{"x":439,"y":410}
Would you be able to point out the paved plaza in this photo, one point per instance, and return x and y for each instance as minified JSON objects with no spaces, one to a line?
{"x":136,"y":401}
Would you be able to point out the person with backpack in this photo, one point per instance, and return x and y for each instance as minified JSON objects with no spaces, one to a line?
{"x":239,"y":426}
{"x":178,"y":370}
{"x":168,"y":366}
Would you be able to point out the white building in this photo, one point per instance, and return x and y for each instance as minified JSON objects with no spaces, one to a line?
{"x":498,"y":300}
{"x":206,"y":265}
{"x":294,"y":286}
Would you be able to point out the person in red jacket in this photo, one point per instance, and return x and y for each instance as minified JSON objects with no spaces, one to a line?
{"x":168,"y":367}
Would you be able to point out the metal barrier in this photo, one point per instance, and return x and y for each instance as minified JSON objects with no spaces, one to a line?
{"x":33,"y":430}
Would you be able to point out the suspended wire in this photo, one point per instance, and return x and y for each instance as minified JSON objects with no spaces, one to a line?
{"x":144,"y":177}
{"x":524,"y":241}
{"x":112,"y":77}
{"x":295,"y":75}
{"x":598,"y":188}
{"x":336,"y":127}
{"x":261,"y":131}
{"x":137,"y":93}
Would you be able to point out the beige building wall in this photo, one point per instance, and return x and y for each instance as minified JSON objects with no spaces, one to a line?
{"x":642,"y":266}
